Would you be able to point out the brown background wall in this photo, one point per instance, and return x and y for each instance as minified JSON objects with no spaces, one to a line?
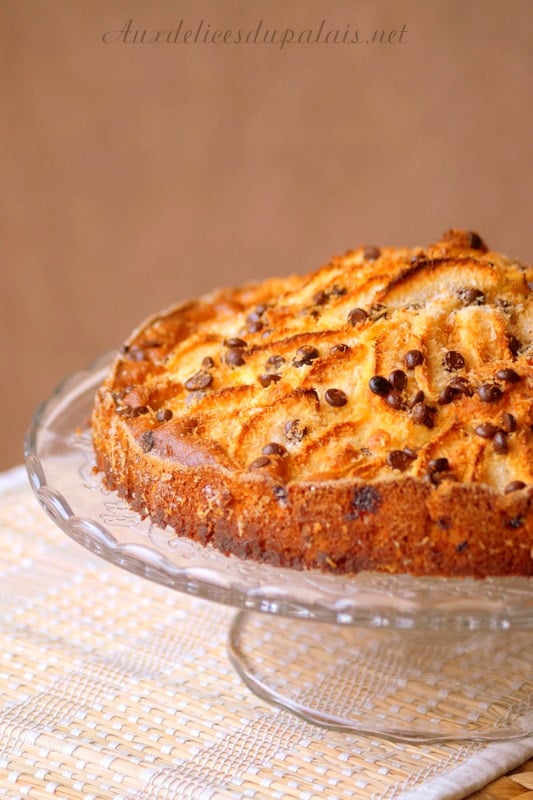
{"x":140,"y":174}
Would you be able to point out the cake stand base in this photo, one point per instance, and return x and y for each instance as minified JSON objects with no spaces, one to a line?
{"x":405,"y":685}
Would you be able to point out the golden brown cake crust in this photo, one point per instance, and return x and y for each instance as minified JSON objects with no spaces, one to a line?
{"x":375,"y":414}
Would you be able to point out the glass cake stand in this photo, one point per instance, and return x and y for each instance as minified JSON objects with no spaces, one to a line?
{"x":411,"y":659}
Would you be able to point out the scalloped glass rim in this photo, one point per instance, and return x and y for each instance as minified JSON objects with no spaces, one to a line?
{"x":59,"y":462}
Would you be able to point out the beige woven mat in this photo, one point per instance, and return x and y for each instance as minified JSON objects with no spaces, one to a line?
{"x":114,"y":687}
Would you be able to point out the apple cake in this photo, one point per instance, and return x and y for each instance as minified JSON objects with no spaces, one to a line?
{"x":375,"y":414}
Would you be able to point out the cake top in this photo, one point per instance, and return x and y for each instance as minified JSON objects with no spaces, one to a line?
{"x":384,"y":361}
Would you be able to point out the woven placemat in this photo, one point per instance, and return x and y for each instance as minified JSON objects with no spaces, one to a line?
{"x":115,"y":687}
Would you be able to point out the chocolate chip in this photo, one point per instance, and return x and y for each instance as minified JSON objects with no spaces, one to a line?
{"x":320,"y":298}
{"x":235,"y":341}
{"x":499,"y":442}
{"x":413,"y":358}
{"x":275,"y":362}
{"x":274,"y":449}
{"x":446,"y":396}
{"x":234,"y":357}
{"x":398,"y":379}
{"x":252,"y":319}
{"x":422,"y":414}
{"x":514,"y":344}
{"x":379,"y":385}
{"x":486,"y":430}
{"x":453,"y":361}
{"x":417,"y":398}
{"x":475,"y":241}
{"x":395,"y":399}
{"x":357,"y":315}
{"x":438,"y":465}
{"x":507,"y":375}
{"x":470,"y":296}
{"x":337,"y":291}
{"x":508,"y":422}
{"x":280,"y":493}
{"x":295,"y":431}
{"x":515,"y":522}
{"x":489,"y":393}
{"x":335,"y":397}
{"x":305,"y":355}
{"x":461,"y":547}
{"x":461,"y":386}
{"x":255,"y":316}
{"x":339,"y":348}
{"x":514,"y":486}
{"x":147,"y":441}
{"x":201,"y":380}
{"x":267,"y":378}
{"x":164,"y":415}
{"x":208,"y":363}
{"x":371,"y":253}
{"x":365,"y":500}
{"x":400,"y":459}
{"x":260,"y":462}
{"x":419,"y":412}
{"x":254,"y":325}
{"x":138,"y":410}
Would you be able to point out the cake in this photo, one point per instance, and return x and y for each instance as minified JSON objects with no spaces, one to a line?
{"x":375,"y":414}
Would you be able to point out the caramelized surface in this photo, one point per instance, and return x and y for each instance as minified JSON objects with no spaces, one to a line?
{"x":295,"y":397}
